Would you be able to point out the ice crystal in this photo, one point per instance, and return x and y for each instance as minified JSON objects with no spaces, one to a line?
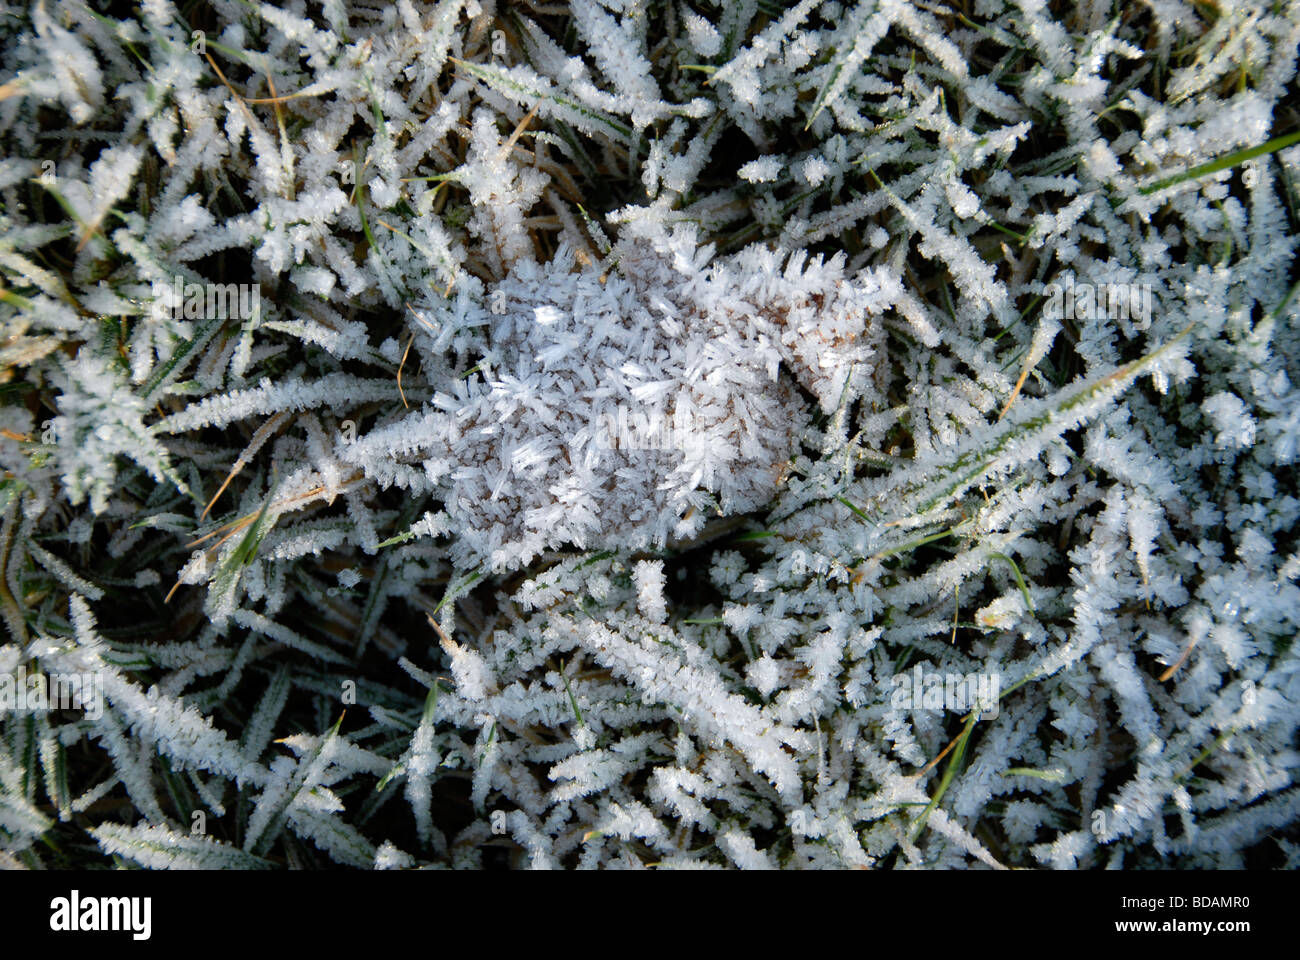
{"x":447,"y":427}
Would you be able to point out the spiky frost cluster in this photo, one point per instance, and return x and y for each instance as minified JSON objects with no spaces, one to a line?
{"x":841,"y":234}
{"x":623,"y":408}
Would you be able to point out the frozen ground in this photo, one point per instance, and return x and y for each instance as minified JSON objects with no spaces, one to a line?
{"x":616,"y":434}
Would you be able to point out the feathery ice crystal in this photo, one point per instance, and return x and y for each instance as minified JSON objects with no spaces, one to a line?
{"x":542,"y":288}
{"x":620,"y":407}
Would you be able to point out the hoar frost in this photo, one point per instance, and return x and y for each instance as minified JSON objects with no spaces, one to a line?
{"x":999,"y":494}
{"x":626,"y":406}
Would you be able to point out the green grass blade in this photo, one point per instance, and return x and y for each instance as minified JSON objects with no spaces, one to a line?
{"x":1224,"y":163}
